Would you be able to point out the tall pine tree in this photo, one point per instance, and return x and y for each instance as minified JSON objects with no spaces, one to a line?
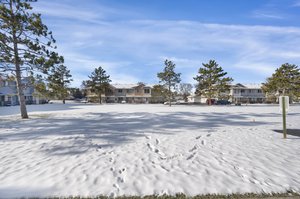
{"x":24,"y":43}
{"x":285,"y":81}
{"x":98,"y":82}
{"x":211,"y":81}
{"x":169,"y":78}
{"x":59,"y":80}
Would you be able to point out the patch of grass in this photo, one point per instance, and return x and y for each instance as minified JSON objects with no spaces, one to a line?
{"x":288,"y":194}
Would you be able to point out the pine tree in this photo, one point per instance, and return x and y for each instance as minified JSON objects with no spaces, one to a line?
{"x":41,"y":89}
{"x":59,"y":79}
{"x":158,"y":93}
{"x":169,"y":78}
{"x":211,"y":81}
{"x":285,"y":81}
{"x":99,"y":82}
{"x":76,"y":93}
{"x":24,"y":43}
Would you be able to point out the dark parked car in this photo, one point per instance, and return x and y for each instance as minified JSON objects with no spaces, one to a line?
{"x":223,"y":102}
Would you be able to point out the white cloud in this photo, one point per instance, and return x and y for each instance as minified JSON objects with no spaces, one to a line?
{"x":130,"y":50}
{"x":124,"y":78}
{"x":90,"y":11}
{"x":267,"y":15}
{"x":53,"y":9}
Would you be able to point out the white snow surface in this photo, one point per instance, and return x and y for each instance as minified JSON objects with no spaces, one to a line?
{"x":121,"y":149}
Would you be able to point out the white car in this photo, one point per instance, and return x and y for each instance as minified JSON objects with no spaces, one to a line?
{"x":84,"y":101}
{"x":172,"y":103}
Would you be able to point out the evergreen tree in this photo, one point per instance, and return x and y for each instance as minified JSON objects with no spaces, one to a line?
{"x":59,"y":79}
{"x":24,"y":43}
{"x":41,"y":89}
{"x":169,"y":78}
{"x":285,"y":81}
{"x":158,"y":94}
{"x":76,"y":93}
{"x":212,"y":81}
{"x":99,"y":82}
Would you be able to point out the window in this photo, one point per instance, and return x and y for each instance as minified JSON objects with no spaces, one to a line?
{"x":147,"y":90}
{"x":259,"y":91}
{"x":120,"y":91}
{"x":242,"y":91}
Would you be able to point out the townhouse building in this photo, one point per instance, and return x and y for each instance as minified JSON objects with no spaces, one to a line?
{"x":247,"y":93}
{"x":238,"y":93}
{"x":124,"y":93}
{"x":9,"y":93}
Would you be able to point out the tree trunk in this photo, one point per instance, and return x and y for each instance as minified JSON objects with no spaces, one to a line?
{"x":23,"y":109}
{"x":64,"y":101}
{"x":209,"y":101}
{"x":100,"y":98}
{"x":170,"y":94}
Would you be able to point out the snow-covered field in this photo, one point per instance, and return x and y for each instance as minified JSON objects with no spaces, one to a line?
{"x":88,"y":150}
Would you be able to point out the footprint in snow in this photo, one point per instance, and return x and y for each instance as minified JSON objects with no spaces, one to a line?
{"x":120,"y":180}
{"x":208,"y":135}
{"x":157,"y":141}
{"x":148,"y":137}
{"x":191,"y":156}
{"x":152,"y":148}
{"x":122,"y":170}
{"x":193,"y":149}
{"x":116,"y":186}
{"x":113,"y":194}
{"x":198,"y":137}
{"x":203,"y":142}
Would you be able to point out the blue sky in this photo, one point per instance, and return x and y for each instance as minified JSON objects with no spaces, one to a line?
{"x":131,"y":39}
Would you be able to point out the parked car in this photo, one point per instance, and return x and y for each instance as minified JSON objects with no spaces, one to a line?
{"x":83,"y":101}
{"x":172,"y":103}
{"x":223,"y":102}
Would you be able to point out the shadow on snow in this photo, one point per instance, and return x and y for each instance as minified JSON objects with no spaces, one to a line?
{"x":113,"y":129}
